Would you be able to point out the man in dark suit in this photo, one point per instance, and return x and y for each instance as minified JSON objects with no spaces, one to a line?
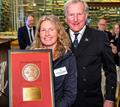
{"x":26,"y":33}
{"x":92,"y":50}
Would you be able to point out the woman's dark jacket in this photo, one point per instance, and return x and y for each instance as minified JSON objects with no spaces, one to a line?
{"x":65,"y":85}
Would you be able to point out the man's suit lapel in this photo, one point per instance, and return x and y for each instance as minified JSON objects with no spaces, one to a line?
{"x":85,"y":40}
{"x":27,"y":35}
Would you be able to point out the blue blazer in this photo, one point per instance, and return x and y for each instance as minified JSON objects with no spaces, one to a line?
{"x":65,"y":86}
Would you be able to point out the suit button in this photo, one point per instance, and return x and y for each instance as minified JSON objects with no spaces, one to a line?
{"x":83,"y":68}
{"x":84,"y":79}
{"x":112,"y":87}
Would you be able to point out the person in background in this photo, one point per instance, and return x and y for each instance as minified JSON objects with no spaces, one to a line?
{"x":92,"y":50}
{"x":50,"y":34}
{"x":102,"y":25}
{"x":26,"y":33}
{"x":118,"y":45}
{"x":114,"y":41}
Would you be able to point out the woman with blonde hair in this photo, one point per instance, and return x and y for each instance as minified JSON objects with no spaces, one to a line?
{"x":50,"y":34}
{"x":114,"y":41}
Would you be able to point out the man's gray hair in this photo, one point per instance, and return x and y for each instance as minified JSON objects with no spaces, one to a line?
{"x":69,"y":2}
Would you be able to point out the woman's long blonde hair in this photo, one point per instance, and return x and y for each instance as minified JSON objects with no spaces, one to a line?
{"x":63,"y":42}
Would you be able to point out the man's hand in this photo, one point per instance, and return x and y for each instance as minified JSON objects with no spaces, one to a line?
{"x":108,"y":103}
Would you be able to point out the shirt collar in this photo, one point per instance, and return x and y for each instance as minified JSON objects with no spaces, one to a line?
{"x":29,"y":27}
{"x":81,"y":31}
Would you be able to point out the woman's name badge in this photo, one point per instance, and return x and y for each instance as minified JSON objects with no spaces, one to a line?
{"x":60,"y":71}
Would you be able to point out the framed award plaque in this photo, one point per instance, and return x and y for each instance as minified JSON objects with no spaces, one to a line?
{"x":30,"y":78}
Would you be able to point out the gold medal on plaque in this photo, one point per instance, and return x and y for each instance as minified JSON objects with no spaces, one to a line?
{"x":31,"y":94}
{"x":30,"y":72}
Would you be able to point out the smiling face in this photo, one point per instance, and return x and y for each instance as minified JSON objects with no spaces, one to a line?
{"x":48,"y":34}
{"x":76,"y":16}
